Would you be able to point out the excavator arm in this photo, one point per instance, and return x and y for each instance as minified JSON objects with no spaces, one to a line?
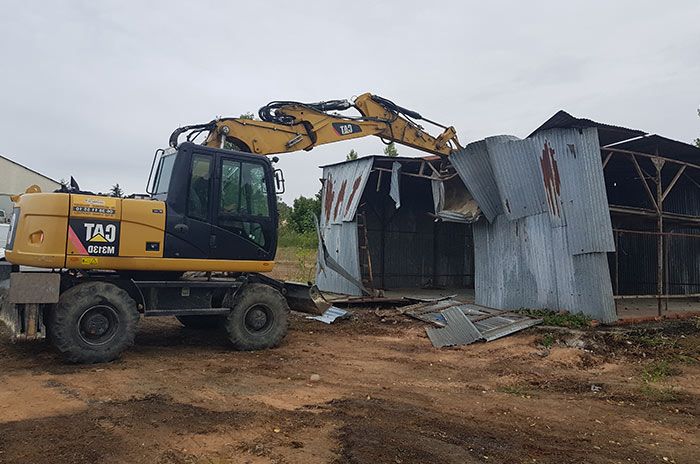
{"x":292,"y":126}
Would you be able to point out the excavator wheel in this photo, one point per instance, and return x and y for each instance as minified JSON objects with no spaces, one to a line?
{"x":258,"y":319}
{"x":202,"y":322}
{"x":93,"y":322}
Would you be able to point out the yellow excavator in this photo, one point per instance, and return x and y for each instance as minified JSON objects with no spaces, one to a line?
{"x":104,"y":261}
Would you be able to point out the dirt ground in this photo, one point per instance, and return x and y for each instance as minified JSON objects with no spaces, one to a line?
{"x":383,"y":395}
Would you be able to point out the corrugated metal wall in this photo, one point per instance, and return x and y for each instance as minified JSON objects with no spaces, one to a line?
{"x":546,"y":245}
{"x":341,"y":242}
{"x":342,"y":188}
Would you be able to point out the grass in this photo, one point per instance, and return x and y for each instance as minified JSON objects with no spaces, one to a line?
{"x":295,"y":264}
{"x":659,"y":395}
{"x":289,"y":238}
{"x":559,"y":319}
{"x":548,"y":340}
{"x":658,"y":371}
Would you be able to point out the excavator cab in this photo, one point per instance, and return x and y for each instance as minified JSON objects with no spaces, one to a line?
{"x":221,"y":204}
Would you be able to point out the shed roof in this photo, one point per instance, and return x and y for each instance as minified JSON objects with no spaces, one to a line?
{"x":625,"y":138}
{"x":29,"y":169}
{"x":606,"y":133}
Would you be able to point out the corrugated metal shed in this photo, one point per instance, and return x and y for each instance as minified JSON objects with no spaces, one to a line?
{"x":547,"y":248}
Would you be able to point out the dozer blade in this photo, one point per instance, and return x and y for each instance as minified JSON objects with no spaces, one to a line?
{"x":305,"y":298}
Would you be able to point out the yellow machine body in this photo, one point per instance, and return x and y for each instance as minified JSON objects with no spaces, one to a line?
{"x":76,"y":231}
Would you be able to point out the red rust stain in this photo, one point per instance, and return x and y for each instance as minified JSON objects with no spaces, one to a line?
{"x":355,"y":186}
{"x":341,"y":196}
{"x":328,"y":197}
{"x":552,"y":182}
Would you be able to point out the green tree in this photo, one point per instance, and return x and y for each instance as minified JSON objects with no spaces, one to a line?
{"x":302,"y":216}
{"x":390,"y":150}
{"x":351,"y":156}
{"x":285,"y":212}
{"x":116,"y":191}
{"x":247,"y":115}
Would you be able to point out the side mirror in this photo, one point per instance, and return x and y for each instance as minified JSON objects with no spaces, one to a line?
{"x":279,"y":182}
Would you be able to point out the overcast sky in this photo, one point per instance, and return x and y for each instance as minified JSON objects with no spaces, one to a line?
{"x":91,"y":89}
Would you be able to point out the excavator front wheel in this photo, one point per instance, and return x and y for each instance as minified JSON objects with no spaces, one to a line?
{"x":258,"y":319}
{"x":93,"y":322}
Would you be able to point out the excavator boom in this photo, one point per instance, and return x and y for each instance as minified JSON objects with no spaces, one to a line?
{"x":292,"y":126}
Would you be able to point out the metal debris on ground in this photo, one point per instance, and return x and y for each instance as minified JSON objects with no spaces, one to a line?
{"x":458,"y":330}
{"x":330,"y":315}
{"x":488,"y":323}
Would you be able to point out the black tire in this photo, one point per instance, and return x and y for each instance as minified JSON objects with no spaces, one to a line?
{"x":258,"y":319}
{"x":93,"y":322}
{"x":202,"y":322}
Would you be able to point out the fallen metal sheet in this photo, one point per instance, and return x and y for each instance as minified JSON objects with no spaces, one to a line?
{"x":458,"y":331}
{"x":330,"y":315}
{"x":429,"y":306}
{"x":499,"y":326}
{"x":489,"y":323}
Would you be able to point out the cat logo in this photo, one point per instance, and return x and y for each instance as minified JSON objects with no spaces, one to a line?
{"x":99,"y":236}
{"x":95,"y":238}
{"x":100,"y":233}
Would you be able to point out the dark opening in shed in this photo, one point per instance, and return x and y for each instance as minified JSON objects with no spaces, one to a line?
{"x":412,"y":226}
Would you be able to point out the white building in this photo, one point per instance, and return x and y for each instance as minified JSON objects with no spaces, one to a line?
{"x":14,"y":179}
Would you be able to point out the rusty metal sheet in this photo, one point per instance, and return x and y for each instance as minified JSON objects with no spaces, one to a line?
{"x":343,"y":185}
{"x":573,"y":178}
{"x":34,"y":287}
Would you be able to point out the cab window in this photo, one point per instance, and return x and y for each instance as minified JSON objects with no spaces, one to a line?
{"x":254,"y":190}
{"x":165,"y":170}
{"x":199,"y":192}
{"x":243,"y":201}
